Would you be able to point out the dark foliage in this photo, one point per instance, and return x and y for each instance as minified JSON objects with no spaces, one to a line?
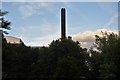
{"x":4,"y":24}
{"x":64,"y":59}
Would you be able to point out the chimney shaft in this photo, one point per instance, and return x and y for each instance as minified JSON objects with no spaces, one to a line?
{"x":63,"y":24}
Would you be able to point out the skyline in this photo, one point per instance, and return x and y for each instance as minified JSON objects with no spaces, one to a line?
{"x":37,"y":24}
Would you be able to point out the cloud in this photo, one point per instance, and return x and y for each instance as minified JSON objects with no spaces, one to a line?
{"x":45,"y":33}
{"x":33,"y":8}
{"x":87,"y":38}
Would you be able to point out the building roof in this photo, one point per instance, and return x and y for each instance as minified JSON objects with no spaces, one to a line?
{"x":13,"y":40}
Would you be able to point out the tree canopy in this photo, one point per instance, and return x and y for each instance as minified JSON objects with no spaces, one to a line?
{"x":64,"y":59}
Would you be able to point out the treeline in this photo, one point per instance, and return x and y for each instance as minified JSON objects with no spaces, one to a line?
{"x":63,"y":59}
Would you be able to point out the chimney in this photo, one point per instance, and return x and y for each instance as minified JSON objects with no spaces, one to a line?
{"x":63,"y":24}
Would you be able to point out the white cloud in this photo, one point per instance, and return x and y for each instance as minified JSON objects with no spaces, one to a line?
{"x":44,"y":34}
{"x":34,"y":8}
{"x":87,"y":38}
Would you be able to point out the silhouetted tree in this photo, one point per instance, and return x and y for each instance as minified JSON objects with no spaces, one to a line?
{"x":109,"y":51}
{"x":94,"y":60}
{"x":4,"y":24}
{"x":17,"y":61}
{"x":63,"y":59}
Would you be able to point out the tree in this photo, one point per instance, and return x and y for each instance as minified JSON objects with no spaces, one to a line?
{"x":95,"y":60}
{"x":4,"y":24}
{"x":109,"y":51}
{"x":17,"y":61}
{"x":62,"y":59}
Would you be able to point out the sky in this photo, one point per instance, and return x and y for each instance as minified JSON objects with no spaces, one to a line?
{"x":38,"y":23}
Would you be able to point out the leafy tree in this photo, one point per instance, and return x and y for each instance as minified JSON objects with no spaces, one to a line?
{"x":95,"y":60}
{"x":109,"y":50}
{"x":17,"y":61}
{"x":62,"y":59}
